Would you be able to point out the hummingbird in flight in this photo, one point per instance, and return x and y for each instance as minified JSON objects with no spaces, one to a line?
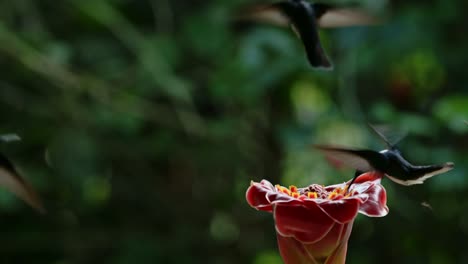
{"x":389,"y":161}
{"x":11,"y":179}
{"x":305,"y":18}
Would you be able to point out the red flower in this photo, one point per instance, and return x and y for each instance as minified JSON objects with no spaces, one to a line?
{"x":313,"y":224}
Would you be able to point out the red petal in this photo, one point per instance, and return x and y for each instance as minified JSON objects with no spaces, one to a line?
{"x":376,"y":205}
{"x":325,"y":247}
{"x":362,"y":187}
{"x":307,"y":224}
{"x":341,"y":211}
{"x":339,"y":254}
{"x":331,"y":248}
{"x":279,"y":197}
{"x":256,"y":197}
{"x":293,"y":251}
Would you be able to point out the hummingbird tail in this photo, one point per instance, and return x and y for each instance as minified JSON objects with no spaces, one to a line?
{"x":423,"y":173}
{"x":317,"y":57}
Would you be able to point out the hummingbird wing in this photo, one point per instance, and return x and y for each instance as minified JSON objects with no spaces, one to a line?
{"x":271,"y":14}
{"x":329,"y":16}
{"x":12,"y":181}
{"x":389,"y":135}
{"x":361,"y":160}
{"x":418,"y":174}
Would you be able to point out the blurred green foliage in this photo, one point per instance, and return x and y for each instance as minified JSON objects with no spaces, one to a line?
{"x":143,"y":123}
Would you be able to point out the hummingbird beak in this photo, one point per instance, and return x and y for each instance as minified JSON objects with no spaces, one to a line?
{"x":348,"y":186}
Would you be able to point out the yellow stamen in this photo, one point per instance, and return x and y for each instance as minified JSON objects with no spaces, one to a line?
{"x":283,"y":189}
{"x":293,"y":188}
{"x":295,"y":195}
{"x":333,"y":195}
{"x":312,"y":195}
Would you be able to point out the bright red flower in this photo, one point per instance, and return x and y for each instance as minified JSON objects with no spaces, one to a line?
{"x":313,"y":224}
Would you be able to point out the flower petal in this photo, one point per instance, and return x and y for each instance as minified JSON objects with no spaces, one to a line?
{"x":256,"y":196}
{"x":293,"y":251}
{"x":341,"y":211}
{"x":327,"y":245}
{"x":279,"y":197}
{"x":339,"y":254}
{"x":266,"y":184}
{"x":306,"y":224}
{"x":376,"y":205}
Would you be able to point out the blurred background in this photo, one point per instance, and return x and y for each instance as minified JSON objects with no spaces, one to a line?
{"x":143,"y":123}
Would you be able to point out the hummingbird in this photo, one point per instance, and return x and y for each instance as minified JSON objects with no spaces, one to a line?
{"x":14,"y":182}
{"x":389,"y":161}
{"x":305,"y":18}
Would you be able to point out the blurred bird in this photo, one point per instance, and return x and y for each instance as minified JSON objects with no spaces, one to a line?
{"x":388,"y":161}
{"x":9,"y":137}
{"x":304,"y":18}
{"x":427,"y":205}
{"x":12,"y":181}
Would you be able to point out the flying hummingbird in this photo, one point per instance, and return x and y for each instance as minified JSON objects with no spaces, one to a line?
{"x":388,"y":161}
{"x":304,"y":18}
{"x":12,"y":181}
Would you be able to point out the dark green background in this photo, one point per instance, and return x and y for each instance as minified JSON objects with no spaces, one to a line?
{"x":143,"y":122}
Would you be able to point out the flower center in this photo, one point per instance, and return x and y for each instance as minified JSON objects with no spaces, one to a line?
{"x":315,"y":191}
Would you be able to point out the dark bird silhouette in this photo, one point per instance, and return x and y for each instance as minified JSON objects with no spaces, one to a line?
{"x":11,"y":180}
{"x":388,"y":161}
{"x":304,"y":18}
